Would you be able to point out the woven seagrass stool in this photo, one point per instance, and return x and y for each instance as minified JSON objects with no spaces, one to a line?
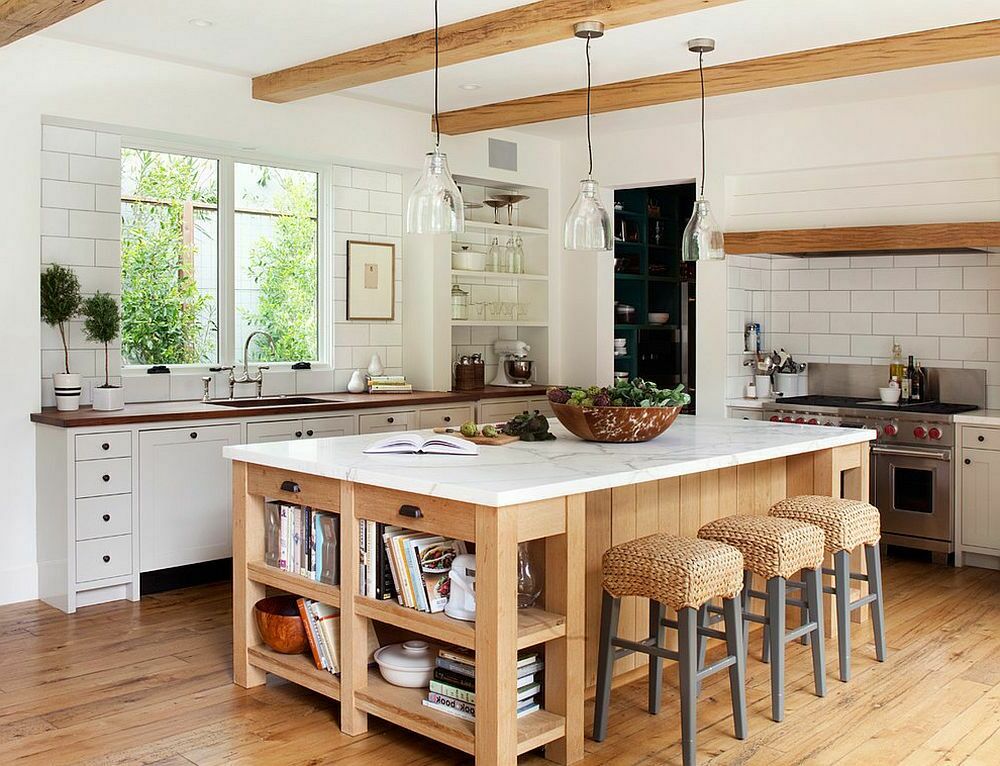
{"x":681,"y":573}
{"x":776,"y":549}
{"x":846,"y":524}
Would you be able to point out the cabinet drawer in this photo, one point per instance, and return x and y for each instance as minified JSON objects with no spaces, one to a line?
{"x":442,"y":417}
{"x":384,"y":422}
{"x":502,"y":411}
{"x":449,"y":518}
{"x":274,"y":431}
{"x":103,"y":558}
{"x":319,"y":428}
{"x":103,"y":516}
{"x":981,"y":438}
{"x":98,"y":446}
{"x":104,"y":477}
{"x":301,"y":488}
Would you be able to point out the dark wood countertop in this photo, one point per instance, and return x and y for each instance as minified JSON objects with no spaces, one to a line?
{"x":157,"y":412}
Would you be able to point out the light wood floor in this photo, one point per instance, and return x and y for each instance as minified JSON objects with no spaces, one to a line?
{"x":149,"y":683}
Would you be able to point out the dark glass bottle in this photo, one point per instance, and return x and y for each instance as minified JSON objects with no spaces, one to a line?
{"x":918,"y":384}
{"x":906,"y":394}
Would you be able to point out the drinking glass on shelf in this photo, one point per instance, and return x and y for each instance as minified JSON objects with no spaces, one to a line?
{"x":507,"y":310}
{"x":521,"y":309}
{"x":477,"y":310}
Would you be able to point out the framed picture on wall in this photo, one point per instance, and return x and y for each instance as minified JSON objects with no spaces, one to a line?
{"x":371,"y":280}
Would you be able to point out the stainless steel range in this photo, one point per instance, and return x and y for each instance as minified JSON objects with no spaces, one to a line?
{"x":912,"y":466}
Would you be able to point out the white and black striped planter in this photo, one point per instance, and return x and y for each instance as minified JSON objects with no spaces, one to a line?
{"x":67,"y":388}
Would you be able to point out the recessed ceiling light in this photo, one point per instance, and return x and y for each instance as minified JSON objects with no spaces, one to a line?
{"x":470,"y":86}
{"x":203,"y":23}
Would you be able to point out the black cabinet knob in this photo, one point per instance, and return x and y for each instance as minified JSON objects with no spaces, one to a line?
{"x":982,"y":438}
{"x":309,"y":432}
{"x":298,"y":434}
{"x":106,"y":558}
{"x":105,"y":446}
{"x":410,"y":511}
{"x":106,"y":517}
{"x":447,"y":418}
{"x":194,"y":434}
{"x":968,"y":462}
{"x":105,"y":477}
{"x":290,"y":486}
{"x":390,"y":420}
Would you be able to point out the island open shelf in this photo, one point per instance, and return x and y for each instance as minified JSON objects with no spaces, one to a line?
{"x":298,"y":668}
{"x":259,"y":572}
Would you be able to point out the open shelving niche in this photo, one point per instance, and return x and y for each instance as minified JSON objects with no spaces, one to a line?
{"x":429,"y":356}
{"x":399,"y":705}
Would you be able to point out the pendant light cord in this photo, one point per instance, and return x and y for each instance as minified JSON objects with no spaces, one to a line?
{"x":590,"y":145}
{"x":437,"y":59}
{"x":701,"y":74}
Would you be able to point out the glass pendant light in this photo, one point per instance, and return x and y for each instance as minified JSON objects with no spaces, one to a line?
{"x":435,"y":205}
{"x":703,"y":238}
{"x":588,"y":225}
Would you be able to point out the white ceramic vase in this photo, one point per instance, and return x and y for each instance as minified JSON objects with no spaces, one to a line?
{"x":110,"y":398}
{"x":67,"y":387}
{"x":375,"y":366}
{"x":356,"y":385}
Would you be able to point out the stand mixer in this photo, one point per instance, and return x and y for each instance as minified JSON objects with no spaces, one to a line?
{"x":515,"y":370}
{"x":462,"y":595}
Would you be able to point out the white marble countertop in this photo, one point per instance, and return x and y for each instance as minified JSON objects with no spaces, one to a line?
{"x":745,"y":403}
{"x":527,"y":471}
{"x":979,"y":418}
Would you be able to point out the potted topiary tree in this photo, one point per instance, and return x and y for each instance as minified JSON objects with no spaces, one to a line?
{"x":60,"y":302}
{"x":102,"y":324}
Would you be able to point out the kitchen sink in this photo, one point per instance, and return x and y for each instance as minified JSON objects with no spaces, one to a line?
{"x":272,"y":401}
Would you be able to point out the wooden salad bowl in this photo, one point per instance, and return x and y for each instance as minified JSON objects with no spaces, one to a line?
{"x":280,"y":625}
{"x":615,"y":424}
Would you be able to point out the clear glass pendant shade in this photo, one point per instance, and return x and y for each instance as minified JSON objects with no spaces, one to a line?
{"x":703,"y":239}
{"x":435,"y":205}
{"x":588,"y":225}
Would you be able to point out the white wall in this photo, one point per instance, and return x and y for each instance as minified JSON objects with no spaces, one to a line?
{"x":947,"y":142}
{"x":42,"y":77}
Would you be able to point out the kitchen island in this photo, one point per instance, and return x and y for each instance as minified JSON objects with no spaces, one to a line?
{"x":568,"y":500}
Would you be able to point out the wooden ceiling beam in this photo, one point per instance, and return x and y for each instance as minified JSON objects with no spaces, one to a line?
{"x":931,"y":237}
{"x":932,"y":46}
{"x":525,"y":26}
{"x":20,"y":18}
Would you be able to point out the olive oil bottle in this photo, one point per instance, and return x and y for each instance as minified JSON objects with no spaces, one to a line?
{"x":896,"y":368}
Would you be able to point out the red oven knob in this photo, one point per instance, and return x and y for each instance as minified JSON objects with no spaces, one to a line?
{"x":934,"y":433}
{"x":800,"y":420}
{"x":890,"y":429}
{"x":920,"y":432}
{"x":775,"y":418}
{"x":813,"y":422}
{"x":786,"y":419}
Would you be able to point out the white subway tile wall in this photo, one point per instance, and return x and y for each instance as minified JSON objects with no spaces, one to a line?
{"x":80,"y":227}
{"x":943,"y":309}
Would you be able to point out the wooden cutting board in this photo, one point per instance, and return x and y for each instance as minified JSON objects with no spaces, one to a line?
{"x":495,"y":441}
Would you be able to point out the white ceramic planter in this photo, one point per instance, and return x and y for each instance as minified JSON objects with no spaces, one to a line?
{"x":67,"y":387}
{"x":112,"y":398}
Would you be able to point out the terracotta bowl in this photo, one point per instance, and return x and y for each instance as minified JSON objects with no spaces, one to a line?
{"x":615,"y":424}
{"x":279,"y":624}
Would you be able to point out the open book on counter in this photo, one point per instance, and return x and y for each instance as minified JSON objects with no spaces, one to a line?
{"x":413,"y":443}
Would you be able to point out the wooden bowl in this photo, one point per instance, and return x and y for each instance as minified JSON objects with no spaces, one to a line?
{"x":615,"y":424}
{"x":280,"y":625}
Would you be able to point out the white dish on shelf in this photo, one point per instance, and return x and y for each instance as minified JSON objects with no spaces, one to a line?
{"x":410,"y":664}
{"x":468,"y":260}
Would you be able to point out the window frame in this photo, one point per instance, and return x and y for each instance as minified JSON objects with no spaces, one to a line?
{"x":227,"y":160}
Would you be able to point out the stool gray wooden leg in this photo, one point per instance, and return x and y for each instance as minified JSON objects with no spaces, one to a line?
{"x":804,"y":609}
{"x":813,"y":596}
{"x":842,"y":584}
{"x":737,"y":671}
{"x":745,"y":604}
{"x":765,"y":647}
{"x":657,"y":631}
{"x":610,"y":608}
{"x":874,"y":562}
{"x":687,"y":649}
{"x":776,"y":615}
{"x":702,"y":640}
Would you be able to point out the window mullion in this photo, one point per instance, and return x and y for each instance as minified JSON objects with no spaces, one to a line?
{"x":227,"y":262}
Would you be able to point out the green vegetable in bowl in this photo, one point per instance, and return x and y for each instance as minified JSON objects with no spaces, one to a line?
{"x":624,"y":393}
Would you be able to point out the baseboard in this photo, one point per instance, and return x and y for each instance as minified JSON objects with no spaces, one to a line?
{"x":203,"y":573}
{"x":19,"y":584}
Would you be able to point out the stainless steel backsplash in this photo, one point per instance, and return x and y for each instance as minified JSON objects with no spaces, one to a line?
{"x":945,"y":384}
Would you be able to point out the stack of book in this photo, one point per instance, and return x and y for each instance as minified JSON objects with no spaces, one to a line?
{"x":388,"y":384}
{"x":302,"y":541}
{"x":411,"y":567}
{"x":322,"y":624}
{"x":453,"y":687}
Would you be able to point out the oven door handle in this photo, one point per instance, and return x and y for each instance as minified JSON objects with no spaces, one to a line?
{"x":944,"y":455}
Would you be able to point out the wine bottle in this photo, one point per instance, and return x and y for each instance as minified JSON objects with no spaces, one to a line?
{"x":917,"y":385}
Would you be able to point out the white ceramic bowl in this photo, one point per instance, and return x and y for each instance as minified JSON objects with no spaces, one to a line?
{"x":657,"y":317}
{"x":468,"y":260}
{"x":889,"y":394}
{"x":410,"y":664}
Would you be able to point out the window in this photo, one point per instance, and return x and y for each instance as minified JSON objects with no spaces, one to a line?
{"x":214,"y":249}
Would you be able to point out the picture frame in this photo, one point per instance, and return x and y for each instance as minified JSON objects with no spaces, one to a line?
{"x":371,"y":281}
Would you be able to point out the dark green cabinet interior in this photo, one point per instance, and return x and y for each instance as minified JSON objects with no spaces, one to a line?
{"x":651,"y":277}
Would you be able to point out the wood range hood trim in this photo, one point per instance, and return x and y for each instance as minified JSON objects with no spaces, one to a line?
{"x":966,"y":237}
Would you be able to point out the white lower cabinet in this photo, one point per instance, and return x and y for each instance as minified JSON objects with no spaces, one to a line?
{"x":325,"y":428}
{"x":746,"y":413}
{"x":309,"y":428}
{"x":387,"y":422}
{"x":185,"y":495}
{"x":446,"y":417}
{"x":500,"y":410}
{"x":103,"y":558}
{"x":981,"y":498}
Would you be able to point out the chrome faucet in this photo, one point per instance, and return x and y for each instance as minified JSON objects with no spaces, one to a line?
{"x":246,"y":377}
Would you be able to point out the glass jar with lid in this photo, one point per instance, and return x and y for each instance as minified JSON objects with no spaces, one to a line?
{"x":459,"y":303}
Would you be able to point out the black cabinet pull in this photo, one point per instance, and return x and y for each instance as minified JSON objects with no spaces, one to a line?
{"x":982,"y":438}
{"x":106,"y":517}
{"x":968,"y":462}
{"x":290,"y":486}
{"x":194,"y":434}
{"x":105,"y":477}
{"x":411,"y":511}
{"x":390,"y":420}
{"x":105,"y":446}
{"x":447,"y":418}
{"x":309,"y":432}
{"x":106,"y":558}
{"x":298,"y":434}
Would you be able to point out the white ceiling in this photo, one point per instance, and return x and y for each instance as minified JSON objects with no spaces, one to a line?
{"x":255,"y":36}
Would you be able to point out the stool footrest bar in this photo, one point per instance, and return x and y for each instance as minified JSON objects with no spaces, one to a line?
{"x":715,"y":667}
